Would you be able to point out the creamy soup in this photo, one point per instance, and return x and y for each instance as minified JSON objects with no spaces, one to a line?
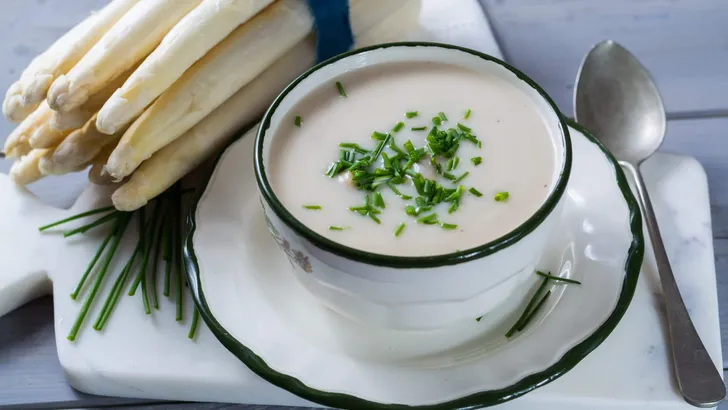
{"x":494,"y":159}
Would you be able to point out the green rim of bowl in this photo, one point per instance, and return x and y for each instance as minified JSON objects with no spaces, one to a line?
{"x":411,"y":262}
{"x":477,"y":400}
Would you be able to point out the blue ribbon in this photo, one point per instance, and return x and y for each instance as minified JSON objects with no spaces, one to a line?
{"x":331,"y":19}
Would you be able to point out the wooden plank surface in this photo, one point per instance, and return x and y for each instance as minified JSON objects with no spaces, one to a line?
{"x":684,"y":43}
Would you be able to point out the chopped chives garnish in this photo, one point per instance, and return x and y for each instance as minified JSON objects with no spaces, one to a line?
{"x":454,"y":207}
{"x":399,"y":229}
{"x":396,"y":149}
{"x":464,"y":128}
{"x":340,"y":87}
{"x":467,"y":114}
{"x":377,"y":200}
{"x":448,"y":226}
{"x":477,"y":319}
{"x":479,"y":145}
{"x":409,"y":146}
{"x":428,"y":218}
{"x":475,"y":192}
{"x":476,"y":160}
{"x":501,"y":196}
{"x":379,"y":136}
{"x":399,"y":164}
{"x":297,"y":121}
{"x":313,"y":207}
{"x":557,"y":278}
{"x":461,"y":177}
{"x":336,"y":228}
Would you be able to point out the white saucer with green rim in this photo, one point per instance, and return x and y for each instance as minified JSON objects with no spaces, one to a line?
{"x":246,"y":292}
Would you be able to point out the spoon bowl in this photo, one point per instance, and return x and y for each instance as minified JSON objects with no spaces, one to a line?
{"x":613,"y":84}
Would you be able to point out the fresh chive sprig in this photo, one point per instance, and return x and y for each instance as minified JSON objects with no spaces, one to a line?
{"x":155,"y":238}
{"x":537,"y":301}
{"x":557,"y":278}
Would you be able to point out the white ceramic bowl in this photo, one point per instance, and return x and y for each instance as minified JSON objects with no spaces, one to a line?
{"x":412,"y":292}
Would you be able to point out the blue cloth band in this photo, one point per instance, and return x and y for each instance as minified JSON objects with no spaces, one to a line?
{"x":331,"y":19}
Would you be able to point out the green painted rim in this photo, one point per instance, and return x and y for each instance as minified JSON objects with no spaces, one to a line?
{"x":409,"y":262}
{"x":477,"y":400}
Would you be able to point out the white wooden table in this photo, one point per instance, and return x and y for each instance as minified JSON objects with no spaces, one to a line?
{"x":684,"y":43}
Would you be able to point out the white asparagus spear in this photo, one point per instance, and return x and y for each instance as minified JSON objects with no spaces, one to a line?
{"x":249,"y":50}
{"x":197,"y":33}
{"x":175,"y":160}
{"x":83,"y":144}
{"x":15,"y":108}
{"x":97,"y":173}
{"x":26,"y":170}
{"x":21,"y":149}
{"x":48,"y":166}
{"x":21,"y":134}
{"x":40,"y":130}
{"x":76,"y":118}
{"x":26,"y":93}
{"x":46,"y":137}
{"x":131,"y":39}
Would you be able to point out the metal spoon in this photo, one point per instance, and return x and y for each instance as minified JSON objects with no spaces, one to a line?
{"x":616,"y":99}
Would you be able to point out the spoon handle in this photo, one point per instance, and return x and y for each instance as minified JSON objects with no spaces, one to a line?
{"x":699,"y":380}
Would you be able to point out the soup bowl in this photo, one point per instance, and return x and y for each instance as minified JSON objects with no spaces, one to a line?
{"x":412,"y":292}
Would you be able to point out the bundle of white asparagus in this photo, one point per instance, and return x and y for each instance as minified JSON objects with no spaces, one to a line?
{"x":144,"y":91}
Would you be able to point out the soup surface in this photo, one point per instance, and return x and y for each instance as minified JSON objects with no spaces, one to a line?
{"x":493,"y":166}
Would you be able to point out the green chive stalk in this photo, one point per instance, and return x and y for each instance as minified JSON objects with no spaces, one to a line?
{"x":179,"y":260}
{"x":119,"y":228}
{"x":167,"y":255}
{"x":155,"y":262}
{"x":91,"y":265}
{"x":85,"y":228}
{"x":79,"y":216}
{"x":116,"y":290}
